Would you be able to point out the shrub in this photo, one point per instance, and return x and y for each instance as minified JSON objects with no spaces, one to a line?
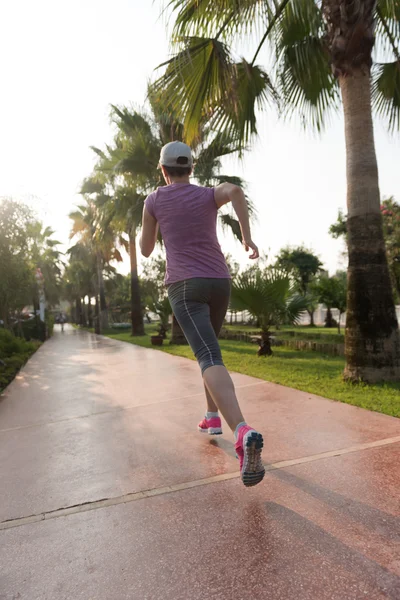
{"x":14,"y":352}
{"x":34,"y":329}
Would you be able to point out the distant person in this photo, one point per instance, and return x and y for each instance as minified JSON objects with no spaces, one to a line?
{"x":199,"y":286}
{"x":61,"y":320}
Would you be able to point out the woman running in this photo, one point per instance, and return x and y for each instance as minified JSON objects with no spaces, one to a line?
{"x":199,"y":286}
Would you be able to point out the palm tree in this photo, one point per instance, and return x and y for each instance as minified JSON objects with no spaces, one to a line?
{"x":42,"y":252}
{"x":320,"y":52}
{"x":270,"y":296}
{"x":331,"y":291}
{"x":79,"y":283}
{"x":96,"y":237}
{"x":130,"y":168}
{"x":303,"y":265}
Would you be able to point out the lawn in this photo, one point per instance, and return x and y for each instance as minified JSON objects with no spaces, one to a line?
{"x":311,"y":334}
{"x":308,"y":371}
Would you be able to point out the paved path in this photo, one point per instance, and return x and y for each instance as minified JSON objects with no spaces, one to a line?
{"x":109,"y":493}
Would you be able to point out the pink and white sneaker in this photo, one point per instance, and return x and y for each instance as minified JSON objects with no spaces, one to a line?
{"x":211,"y":426}
{"x":248,"y":447}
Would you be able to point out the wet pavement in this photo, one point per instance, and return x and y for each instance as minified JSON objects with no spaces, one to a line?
{"x":109,"y":493}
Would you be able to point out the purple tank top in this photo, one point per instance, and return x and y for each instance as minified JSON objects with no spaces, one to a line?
{"x":187,"y":216}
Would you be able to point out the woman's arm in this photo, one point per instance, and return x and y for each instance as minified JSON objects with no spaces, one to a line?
{"x":149,"y":233}
{"x":227,"y":192}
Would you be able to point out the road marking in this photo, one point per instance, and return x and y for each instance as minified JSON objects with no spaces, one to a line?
{"x":132,"y":497}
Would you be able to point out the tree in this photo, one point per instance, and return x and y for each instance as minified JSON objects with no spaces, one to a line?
{"x":25,"y":245}
{"x":162,"y":307}
{"x":271,"y":296}
{"x":43,"y":253}
{"x":156,"y":298}
{"x":331,"y":291}
{"x":233,"y":266}
{"x":118,"y":290}
{"x":303,"y":265}
{"x":390,"y":211}
{"x":97,"y":239}
{"x":130,"y":166}
{"x":72,"y":292}
{"x":15,"y":278}
{"x":80,"y":282}
{"x":322,"y":52}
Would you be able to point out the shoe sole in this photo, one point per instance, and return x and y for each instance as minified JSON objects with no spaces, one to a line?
{"x":211,"y":430}
{"x":253,"y":470}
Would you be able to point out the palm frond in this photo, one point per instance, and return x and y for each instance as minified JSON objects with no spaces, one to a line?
{"x":387,"y":20}
{"x":91,"y":186}
{"x":296,"y":305}
{"x":298,"y":20}
{"x":232,"y":224}
{"x":267,"y":295}
{"x":116,"y":255}
{"x":130,"y":122}
{"x":99,"y":152}
{"x":234,"y":180}
{"x":386,"y":93}
{"x":52,"y":243}
{"x":166,"y":117}
{"x":304,"y":75}
{"x":196,"y":80}
{"x":210,"y":17}
{"x":47,"y":232}
{"x":208,"y":161}
{"x":252,"y":89}
{"x":307,"y":83}
{"x":222,"y":145}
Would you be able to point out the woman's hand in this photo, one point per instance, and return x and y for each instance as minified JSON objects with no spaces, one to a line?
{"x":250,"y":245}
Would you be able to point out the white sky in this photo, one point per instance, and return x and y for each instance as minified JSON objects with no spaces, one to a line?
{"x":63,"y":64}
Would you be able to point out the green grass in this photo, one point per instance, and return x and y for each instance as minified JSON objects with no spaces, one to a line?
{"x":308,"y":371}
{"x":297,"y":328}
{"x":311,"y":334}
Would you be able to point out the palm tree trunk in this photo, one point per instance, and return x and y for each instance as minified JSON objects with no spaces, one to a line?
{"x":311,"y":315}
{"x":97,"y":327}
{"x":77,"y":312}
{"x":265,"y":345}
{"x":83,"y":312}
{"x":372,"y":335}
{"x":136,"y":298}
{"x":90,"y":313}
{"x":177,"y":335}
{"x":103,"y":306}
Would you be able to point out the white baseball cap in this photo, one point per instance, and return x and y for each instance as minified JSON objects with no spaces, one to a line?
{"x":176,"y":154}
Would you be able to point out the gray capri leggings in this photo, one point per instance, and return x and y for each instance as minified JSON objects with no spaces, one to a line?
{"x":200,"y":307}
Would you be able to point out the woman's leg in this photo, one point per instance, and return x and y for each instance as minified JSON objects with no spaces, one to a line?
{"x":211,"y":406}
{"x":200,"y":306}
{"x":191,"y":302}
{"x":218,"y":306}
{"x":220,"y":386}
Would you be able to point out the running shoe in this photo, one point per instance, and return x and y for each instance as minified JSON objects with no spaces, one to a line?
{"x":248,"y":447}
{"x":211,"y":426}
